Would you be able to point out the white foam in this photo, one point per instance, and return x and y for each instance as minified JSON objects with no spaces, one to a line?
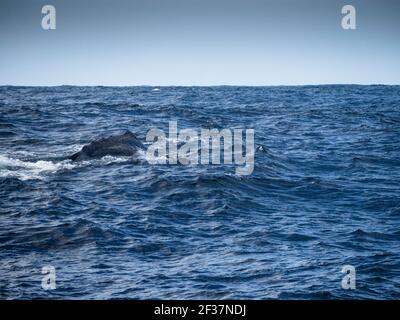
{"x":29,"y":170}
{"x":75,"y":148}
{"x":106,"y":160}
{"x":142,"y":155}
{"x":26,"y":170}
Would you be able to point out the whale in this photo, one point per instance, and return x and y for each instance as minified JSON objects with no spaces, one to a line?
{"x":126,"y":144}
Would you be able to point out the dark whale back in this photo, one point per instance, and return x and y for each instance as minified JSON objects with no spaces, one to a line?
{"x":125,"y":144}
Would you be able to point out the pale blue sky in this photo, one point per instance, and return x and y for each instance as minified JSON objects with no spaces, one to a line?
{"x":191,"y":42}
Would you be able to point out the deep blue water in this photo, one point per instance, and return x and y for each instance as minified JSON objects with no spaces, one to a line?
{"x":324,"y":193}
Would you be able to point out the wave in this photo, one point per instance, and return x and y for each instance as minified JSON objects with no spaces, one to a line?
{"x":37,"y":170}
{"x":29,"y":170}
{"x":323,"y":194}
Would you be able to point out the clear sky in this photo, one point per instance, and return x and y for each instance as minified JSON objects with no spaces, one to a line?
{"x":199,"y":42}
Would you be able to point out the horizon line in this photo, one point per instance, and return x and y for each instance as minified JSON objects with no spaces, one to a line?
{"x":200,"y":85}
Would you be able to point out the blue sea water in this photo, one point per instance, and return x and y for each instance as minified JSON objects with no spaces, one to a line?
{"x":324,"y":193}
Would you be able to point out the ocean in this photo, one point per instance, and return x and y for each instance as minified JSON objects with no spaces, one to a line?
{"x":324,"y":194}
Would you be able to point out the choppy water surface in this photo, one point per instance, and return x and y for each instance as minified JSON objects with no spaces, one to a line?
{"x":324,"y":193}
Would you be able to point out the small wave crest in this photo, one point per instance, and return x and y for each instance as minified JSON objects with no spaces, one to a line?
{"x":28,"y":170}
{"x":37,"y":170}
